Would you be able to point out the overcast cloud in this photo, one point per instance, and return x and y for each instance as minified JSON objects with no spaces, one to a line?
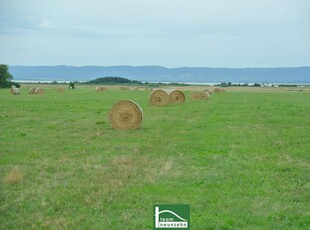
{"x":218,"y":33}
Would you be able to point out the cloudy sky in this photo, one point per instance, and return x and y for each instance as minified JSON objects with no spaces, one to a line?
{"x":171,"y":33}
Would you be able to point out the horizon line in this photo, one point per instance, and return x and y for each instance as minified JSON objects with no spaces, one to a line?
{"x":137,"y":66}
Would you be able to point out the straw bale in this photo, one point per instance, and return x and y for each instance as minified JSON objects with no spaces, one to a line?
{"x":159,"y":97}
{"x":125,"y":88}
{"x":32,"y":90}
{"x":208,"y":91}
{"x":14,"y":90}
{"x":39,"y":91}
{"x":199,"y":96}
{"x":101,"y":88}
{"x":176,"y":96}
{"x":218,"y":90}
{"x":125,"y":115}
{"x":206,"y":95}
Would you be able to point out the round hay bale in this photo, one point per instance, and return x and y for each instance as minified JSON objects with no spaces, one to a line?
{"x":32,"y":90}
{"x":205,"y":95}
{"x":39,"y":91}
{"x":219,"y":90}
{"x":176,"y":96}
{"x":159,"y":97}
{"x":125,"y":88}
{"x":101,"y":89}
{"x":125,"y":115}
{"x":60,"y":90}
{"x":208,"y":91}
{"x":196,"y":96}
{"x":14,"y":90}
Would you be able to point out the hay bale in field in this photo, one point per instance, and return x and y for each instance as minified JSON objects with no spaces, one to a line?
{"x":208,"y":91}
{"x":60,"y":90}
{"x":32,"y":90}
{"x":125,"y":88}
{"x":14,"y":90}
{"x":159,"y":97}
{"x":125,"y":115}
{"x":39,"y":91}
{"x":11,"y":89}
{"x":206,"y":95}
{"x":176,"y":96}
{"x":101,"y":88}
{"x":196,"y":96}
{"x":219,"y":90}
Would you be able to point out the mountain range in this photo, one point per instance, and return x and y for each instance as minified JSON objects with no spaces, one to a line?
{"x":163,"y":74}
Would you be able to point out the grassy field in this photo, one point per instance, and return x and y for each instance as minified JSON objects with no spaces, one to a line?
{"x":241,"y":160}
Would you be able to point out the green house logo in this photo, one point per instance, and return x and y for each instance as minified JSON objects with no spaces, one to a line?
{"x":168,"y":216}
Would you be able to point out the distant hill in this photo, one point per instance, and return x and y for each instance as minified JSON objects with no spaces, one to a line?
{"x":163,"y":74}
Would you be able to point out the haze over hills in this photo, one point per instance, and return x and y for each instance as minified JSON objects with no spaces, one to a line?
{"x":163,"y":74}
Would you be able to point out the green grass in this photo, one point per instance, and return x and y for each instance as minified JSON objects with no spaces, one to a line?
{"x":240,"y":159}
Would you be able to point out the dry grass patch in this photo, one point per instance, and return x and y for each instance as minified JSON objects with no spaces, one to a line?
{"x":14,"y":176}
{"x":58,"y":222}
{"x":60,"y":90}
{"x":125,"y":171}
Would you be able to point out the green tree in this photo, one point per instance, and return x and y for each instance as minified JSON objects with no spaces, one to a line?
{"x":4,"y":75}
{"x":71,"y":85}
{"x":223,"y":84}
